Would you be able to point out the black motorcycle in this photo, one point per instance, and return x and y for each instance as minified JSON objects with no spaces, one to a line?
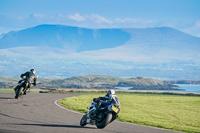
{"x":21,"y":88}
{"x":107,"y":113}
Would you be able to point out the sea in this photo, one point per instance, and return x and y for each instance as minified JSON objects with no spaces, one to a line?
{"x":190,"y":88}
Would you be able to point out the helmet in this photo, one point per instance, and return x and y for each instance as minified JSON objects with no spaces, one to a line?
{"x":110,"y":92}
{"x":33,"y":71}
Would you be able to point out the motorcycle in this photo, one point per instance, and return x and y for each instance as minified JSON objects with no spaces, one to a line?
{"x":107,"y":113}
{"x":21,"y":88}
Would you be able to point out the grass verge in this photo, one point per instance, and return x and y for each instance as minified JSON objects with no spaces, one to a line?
{"x":174,"y":112}
{"x":11,"y":90}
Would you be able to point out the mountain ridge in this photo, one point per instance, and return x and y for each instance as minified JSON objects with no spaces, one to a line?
{"x":161,"y":52}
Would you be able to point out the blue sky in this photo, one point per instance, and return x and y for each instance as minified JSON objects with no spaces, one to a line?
{"x":183,"y":15}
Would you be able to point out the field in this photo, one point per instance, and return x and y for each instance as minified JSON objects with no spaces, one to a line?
{"x":173,"y":112}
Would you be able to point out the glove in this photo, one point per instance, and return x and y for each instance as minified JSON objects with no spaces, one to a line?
{"x":95,"y":100}
{"x":34,"y":84}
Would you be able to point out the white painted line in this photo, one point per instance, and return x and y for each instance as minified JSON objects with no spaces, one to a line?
{"x":56,"y":102}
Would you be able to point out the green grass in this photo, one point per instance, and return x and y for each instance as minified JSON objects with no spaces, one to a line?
{"x":179,"y":113}
{"x":11,"y":90}
{"x":6,"y":90}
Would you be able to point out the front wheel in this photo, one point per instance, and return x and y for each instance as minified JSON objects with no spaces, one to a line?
{"x":83,"y":120}
{"x":105,"y":121}
{"x":18,"y":91}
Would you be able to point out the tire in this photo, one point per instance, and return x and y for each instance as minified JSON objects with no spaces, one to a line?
{"x":15,"y":89}
{"x":18,"y":91}
{"x":105,"y":121}
{"x":115,"y":116}
{"x":83,"y":121}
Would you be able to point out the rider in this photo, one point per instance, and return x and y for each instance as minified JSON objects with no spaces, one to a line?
{"x":30,"y":77}
{"x":110,"y":97}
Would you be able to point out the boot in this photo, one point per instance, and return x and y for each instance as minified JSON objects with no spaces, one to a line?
{"x":24,"y":92}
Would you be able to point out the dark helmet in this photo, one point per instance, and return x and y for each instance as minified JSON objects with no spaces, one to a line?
{"x":33,"y":71}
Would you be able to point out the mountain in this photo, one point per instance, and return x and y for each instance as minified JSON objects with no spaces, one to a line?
{"x":148,"y":44}
{"x":58,"y":36}
{"x":58,"y":51}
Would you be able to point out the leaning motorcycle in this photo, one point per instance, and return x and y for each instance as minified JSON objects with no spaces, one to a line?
{"x":21,"y":88}
{"x":107,"y":113}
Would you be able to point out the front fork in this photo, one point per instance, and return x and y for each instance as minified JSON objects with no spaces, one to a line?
{"x":25,"y":86}
{"x":89,"y":120}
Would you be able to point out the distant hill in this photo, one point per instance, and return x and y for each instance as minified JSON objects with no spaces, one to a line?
{"x":95,"y":82}
{"x":58,"y":51}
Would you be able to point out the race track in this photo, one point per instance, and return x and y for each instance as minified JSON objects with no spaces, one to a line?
{"x":38,"y":113}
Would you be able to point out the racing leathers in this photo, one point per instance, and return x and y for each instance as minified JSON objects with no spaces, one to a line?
{"x":107,"y":99}
{"x":30,"y":77}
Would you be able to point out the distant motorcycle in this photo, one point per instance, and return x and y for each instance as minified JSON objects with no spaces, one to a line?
{"x":107,"y":113}
{"x":21,"y":88}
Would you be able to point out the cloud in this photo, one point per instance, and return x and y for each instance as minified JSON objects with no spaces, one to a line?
{"x":36,"y":15}
{"x":76,"y":17}
{"x":94,"y":18}
{"x":99,"y":19}
{"x":197,"y":23}
{"x":125,"y":20}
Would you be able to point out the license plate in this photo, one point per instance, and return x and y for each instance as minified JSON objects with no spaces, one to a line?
{"x":115,"y":109}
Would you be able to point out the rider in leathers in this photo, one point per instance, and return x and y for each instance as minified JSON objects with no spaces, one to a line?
{"x":110,"y":97}
{"x":30,"y":77}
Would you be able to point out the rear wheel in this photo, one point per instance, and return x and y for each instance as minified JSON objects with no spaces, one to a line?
{"x":83,"y":120}
{"x":105,"y":121}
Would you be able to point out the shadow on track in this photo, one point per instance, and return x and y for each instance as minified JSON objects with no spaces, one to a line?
{"x":56,"y":125}
{"x":6,"y":98}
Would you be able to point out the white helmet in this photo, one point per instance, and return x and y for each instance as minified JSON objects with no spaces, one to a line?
{"x":111,"y":92}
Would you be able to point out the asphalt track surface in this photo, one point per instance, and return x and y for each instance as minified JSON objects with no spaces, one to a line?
{"x":38,"y":113}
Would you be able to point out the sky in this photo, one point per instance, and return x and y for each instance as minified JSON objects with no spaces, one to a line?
{"x":183,"y":15}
